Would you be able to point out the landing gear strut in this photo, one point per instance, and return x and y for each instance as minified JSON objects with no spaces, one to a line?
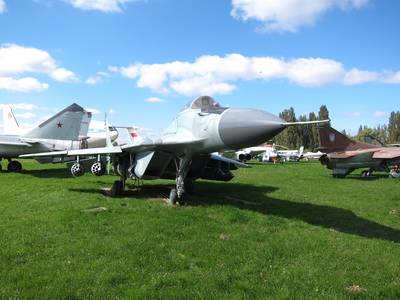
{"x":14,"y":166}
{"x":182,"y":169}
{"x":118,"y":187}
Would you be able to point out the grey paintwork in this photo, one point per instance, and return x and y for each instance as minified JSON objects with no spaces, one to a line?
{"x":184,"y":150}
{"x":60,"y":132}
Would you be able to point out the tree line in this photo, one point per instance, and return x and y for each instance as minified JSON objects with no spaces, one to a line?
{"x":307,"y":135}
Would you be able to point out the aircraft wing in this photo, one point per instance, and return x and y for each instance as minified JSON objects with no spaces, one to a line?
{"x":387,"y":153}
{"x":175,"y":147}
{"x":228,"y":160}
{"x":11,"y":143}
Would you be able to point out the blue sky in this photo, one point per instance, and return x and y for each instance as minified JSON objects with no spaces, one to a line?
{"x":141,"y":61}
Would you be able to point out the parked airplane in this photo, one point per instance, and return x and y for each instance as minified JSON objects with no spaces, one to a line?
{"x":60,"y":132}
{"x":345,"y":155}
{"x":312,"y":155}
{"x":184,"y":151}
{"x":92,"y":135}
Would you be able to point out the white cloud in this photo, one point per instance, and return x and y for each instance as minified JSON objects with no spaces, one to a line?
{"x":22,"y":106}
{"x":25,"y":116}
{"x":64,"y":75}
{"x":355,"y":76}
{"x":112,"y":111}
{"x":2,"y":6}
{"x":93,"y":111}
{"x":212,"y":74}
{"x":155,"y":100}
{"x":98,"y":78}
{"x":108,"y":6}
{"x":380,"y":114}
{"x":392,"y":77}
{"x":17,"y":60}
{"x":288,"y":15}
{"x":353,"y":114}
{"x":26,"y":84}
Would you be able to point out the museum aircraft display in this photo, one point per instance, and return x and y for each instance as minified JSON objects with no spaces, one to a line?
{"x":184,"y":152}
{"x":344,"y":155}
{"x":62,"y":131}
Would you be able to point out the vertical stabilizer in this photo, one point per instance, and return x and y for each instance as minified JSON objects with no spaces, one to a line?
{"x":332,"y":140}
{"x":65,"y":125}
{"x":10,"y":123}
{"x":87,"y":117}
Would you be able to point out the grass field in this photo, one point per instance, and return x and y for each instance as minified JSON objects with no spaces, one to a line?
{"x":275,"y":232}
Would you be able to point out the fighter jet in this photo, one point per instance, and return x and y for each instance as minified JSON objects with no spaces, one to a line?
{"x":92,"y":134}
{"x":60,"y":132}
{"x":344,"y":155}
{"x":184,"y":152}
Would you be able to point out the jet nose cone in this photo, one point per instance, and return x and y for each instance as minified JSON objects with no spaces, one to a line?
{"x":241,"y":128}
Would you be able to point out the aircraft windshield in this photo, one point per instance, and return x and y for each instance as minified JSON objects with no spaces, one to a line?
{"x":205,"y":103}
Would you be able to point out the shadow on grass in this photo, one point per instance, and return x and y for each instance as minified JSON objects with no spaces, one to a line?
{"x":255,"y":198}
{"x":142,"y":193}
{"x":48,"y":173}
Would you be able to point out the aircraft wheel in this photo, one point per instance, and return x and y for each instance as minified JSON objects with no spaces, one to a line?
{"x":364,"y":173}
{"x":184,"y":199}
{"x":14,"y":166}
{"x":173,"y":197}
{"x":77,"y":170}
{"x":98,"y":169}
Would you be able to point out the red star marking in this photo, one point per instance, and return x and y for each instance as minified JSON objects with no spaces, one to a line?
{"x":59,"y":125}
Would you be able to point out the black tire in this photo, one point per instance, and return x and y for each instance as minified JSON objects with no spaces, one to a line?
{"x":14,"y":166}
{"x":184,"y":199}
{"x":173,"y":197}
{"x":190,"y":187}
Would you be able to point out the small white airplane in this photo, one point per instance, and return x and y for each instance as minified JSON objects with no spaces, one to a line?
{"x":290,"y":155}
{"x":268,"y":153}
{"x":312,"y":155}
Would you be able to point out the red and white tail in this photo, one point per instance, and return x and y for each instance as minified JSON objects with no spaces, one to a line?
{"x":10,"y":123}
{"x":134,"y":135}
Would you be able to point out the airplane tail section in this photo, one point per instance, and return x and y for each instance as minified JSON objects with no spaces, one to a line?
{"x":10,"y":123}
{"x":65,"y":125}
{"x":332,"y":140}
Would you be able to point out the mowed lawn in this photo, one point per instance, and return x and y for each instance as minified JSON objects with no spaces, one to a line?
{"x":286,"y":231}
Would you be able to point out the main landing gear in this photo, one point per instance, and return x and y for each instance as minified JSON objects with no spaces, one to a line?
{"x":179,"y":194}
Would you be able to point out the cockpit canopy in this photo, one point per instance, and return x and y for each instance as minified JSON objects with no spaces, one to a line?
{"x":205,"y":104}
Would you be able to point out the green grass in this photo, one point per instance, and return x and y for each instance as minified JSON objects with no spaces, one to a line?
{"x":275,"y":232}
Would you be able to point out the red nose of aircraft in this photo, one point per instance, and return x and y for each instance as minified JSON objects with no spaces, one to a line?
{"x":241,"y":128}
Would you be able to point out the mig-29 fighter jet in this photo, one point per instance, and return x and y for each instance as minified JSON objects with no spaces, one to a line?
{"x":344,"y":155}
{"x":184,"y":152}
{"x":60,"y":132}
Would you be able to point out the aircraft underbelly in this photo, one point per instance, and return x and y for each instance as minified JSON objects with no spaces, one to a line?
{"x":11,"y":151}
